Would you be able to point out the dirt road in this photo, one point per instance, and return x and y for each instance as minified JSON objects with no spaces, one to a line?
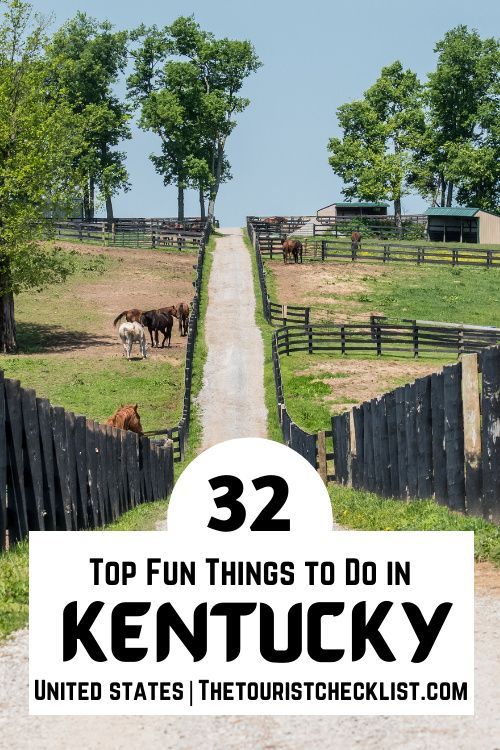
{"x":232,"y":397}
{"x":482,"y":732}
{"x":233,"y":385}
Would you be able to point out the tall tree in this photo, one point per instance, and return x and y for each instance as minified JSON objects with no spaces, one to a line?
{"x":187,"y":84}
{"x":38,"y":140}
{"x":379,"y":134}
{"x":87,"y":59}
{"x":460,"y":150}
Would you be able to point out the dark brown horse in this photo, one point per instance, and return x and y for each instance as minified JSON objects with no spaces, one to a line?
{"x":292,"y":248}
{"x":155,"y":321}
{"x":127,"y":418}
{"x":183,"y":315}
{"x":356,"y":241}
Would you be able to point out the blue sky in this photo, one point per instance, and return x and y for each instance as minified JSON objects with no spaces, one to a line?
{"x":315,"y":56}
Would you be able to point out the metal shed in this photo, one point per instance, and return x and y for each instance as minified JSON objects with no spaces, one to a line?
{"x":463,"y":224}
{"x":348,"y":209}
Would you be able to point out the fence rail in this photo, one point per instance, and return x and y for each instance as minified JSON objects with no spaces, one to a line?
{"x":62,"y":472}
{"x":267,"y":240}
{"x":189,"y":234}
{"x":416,"y":338}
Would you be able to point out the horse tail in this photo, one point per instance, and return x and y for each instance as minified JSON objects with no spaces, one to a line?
{"x":120,"y":316}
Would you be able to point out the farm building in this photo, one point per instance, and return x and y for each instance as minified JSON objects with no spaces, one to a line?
{"x":347,"y":210}
{"x":462,"y":224}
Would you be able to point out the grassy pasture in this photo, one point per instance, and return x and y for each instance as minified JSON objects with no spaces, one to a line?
{"x":69,"y":351}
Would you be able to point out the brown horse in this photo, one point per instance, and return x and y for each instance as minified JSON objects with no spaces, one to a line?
{"x":356,"y":241}
{"x":131,"y":316}
{"x":183,"y":315}
{"x":291,"y":248}
{"x":134,"y":315}
{"x":127,"y":418}
{"x":156,"y":320}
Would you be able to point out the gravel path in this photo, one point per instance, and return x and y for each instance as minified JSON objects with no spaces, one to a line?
{"x":482,"y":732}
{"x":233,"y":385}
{"x":232,"y":396}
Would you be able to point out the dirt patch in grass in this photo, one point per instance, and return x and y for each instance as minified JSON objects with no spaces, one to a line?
{"x":487,"y":577}
{"x":356,"y":380}
{"x":76,"y":318}
{"x":333,"y":285}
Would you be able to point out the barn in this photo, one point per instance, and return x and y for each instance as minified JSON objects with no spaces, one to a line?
{"x":348,"y":210}
{"x":463,"y":224}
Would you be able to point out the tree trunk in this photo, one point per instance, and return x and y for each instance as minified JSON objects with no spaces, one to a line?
{"x":397,"y":214}
{"x":449,"y":197}
{"x":92,"y":198}
{"x":202,"y":201}
{"x":443,"y":192}
{"x":180,"y":202}
{"x":218,"y":174}
{"x":8,"y":341}
{"x":86,"y":205}
{"x":109,"y":211}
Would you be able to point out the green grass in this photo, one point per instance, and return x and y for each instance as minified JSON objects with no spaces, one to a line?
{"x":273,"y":425}
{"x":455,"y":295}
{"x":356,"y":509}
{"x":14,"y":579}
{"x":97,"y":387}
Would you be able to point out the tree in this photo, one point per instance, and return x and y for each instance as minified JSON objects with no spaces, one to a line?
{"x":87,"y":58}
{"x":380,"y":133}
{"x":38,"y":140}
{"x":460,"y":150}
{"x":187,"y":84}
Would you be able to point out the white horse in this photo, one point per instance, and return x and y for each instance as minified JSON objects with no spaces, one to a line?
{"x":132,"y":333}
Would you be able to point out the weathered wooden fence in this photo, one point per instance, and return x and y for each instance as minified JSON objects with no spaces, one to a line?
{"x":189,"y":234}
{"x":437,"y":437}
{"x":415,"y":338}
{"x":62,"y":472}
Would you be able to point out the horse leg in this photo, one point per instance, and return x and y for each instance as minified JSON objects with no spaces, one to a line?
{"x":129,"y":347}
{"x":144,"y":347}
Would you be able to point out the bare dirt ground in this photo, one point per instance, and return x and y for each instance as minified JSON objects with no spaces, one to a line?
{"x":315,"y":285}
{"x":232,"y":396}
{"x":353,"y":381}
{"x":144,"y":279}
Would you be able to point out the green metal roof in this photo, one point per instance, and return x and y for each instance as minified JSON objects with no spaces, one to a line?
{"x":346,"y":204}
{"x":460,"y":211}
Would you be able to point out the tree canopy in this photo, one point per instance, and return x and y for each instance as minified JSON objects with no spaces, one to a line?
{"x":87,"y":58}
{"x":187,"y":83}
{"x":39,"y":137}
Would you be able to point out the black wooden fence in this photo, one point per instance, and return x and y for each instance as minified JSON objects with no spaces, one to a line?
{"x":180,"y":433}
{"x":437,"y":437}
{"x":415,"y":338}
{"x":62,"y":472}
{"x":189,"y":234}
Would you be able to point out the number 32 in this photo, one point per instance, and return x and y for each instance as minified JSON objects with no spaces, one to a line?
{"x":266,"y":520}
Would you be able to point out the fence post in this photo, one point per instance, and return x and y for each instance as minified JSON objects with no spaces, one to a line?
{"x":454,"y":436}
{"x":472,"y":433}
{"x":342,"y":339}
{"x":490,"y":365}
{"x":287,"y":342}
{"x":323,"y":250}
{"x":415,"y":339}
{"x":378,"y":337}
{"x":307,"y":315}
{"x":489,"y":258}
{"x":310,"y":339}
{"x":322,"y":468}
{"x":284,"y":314}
